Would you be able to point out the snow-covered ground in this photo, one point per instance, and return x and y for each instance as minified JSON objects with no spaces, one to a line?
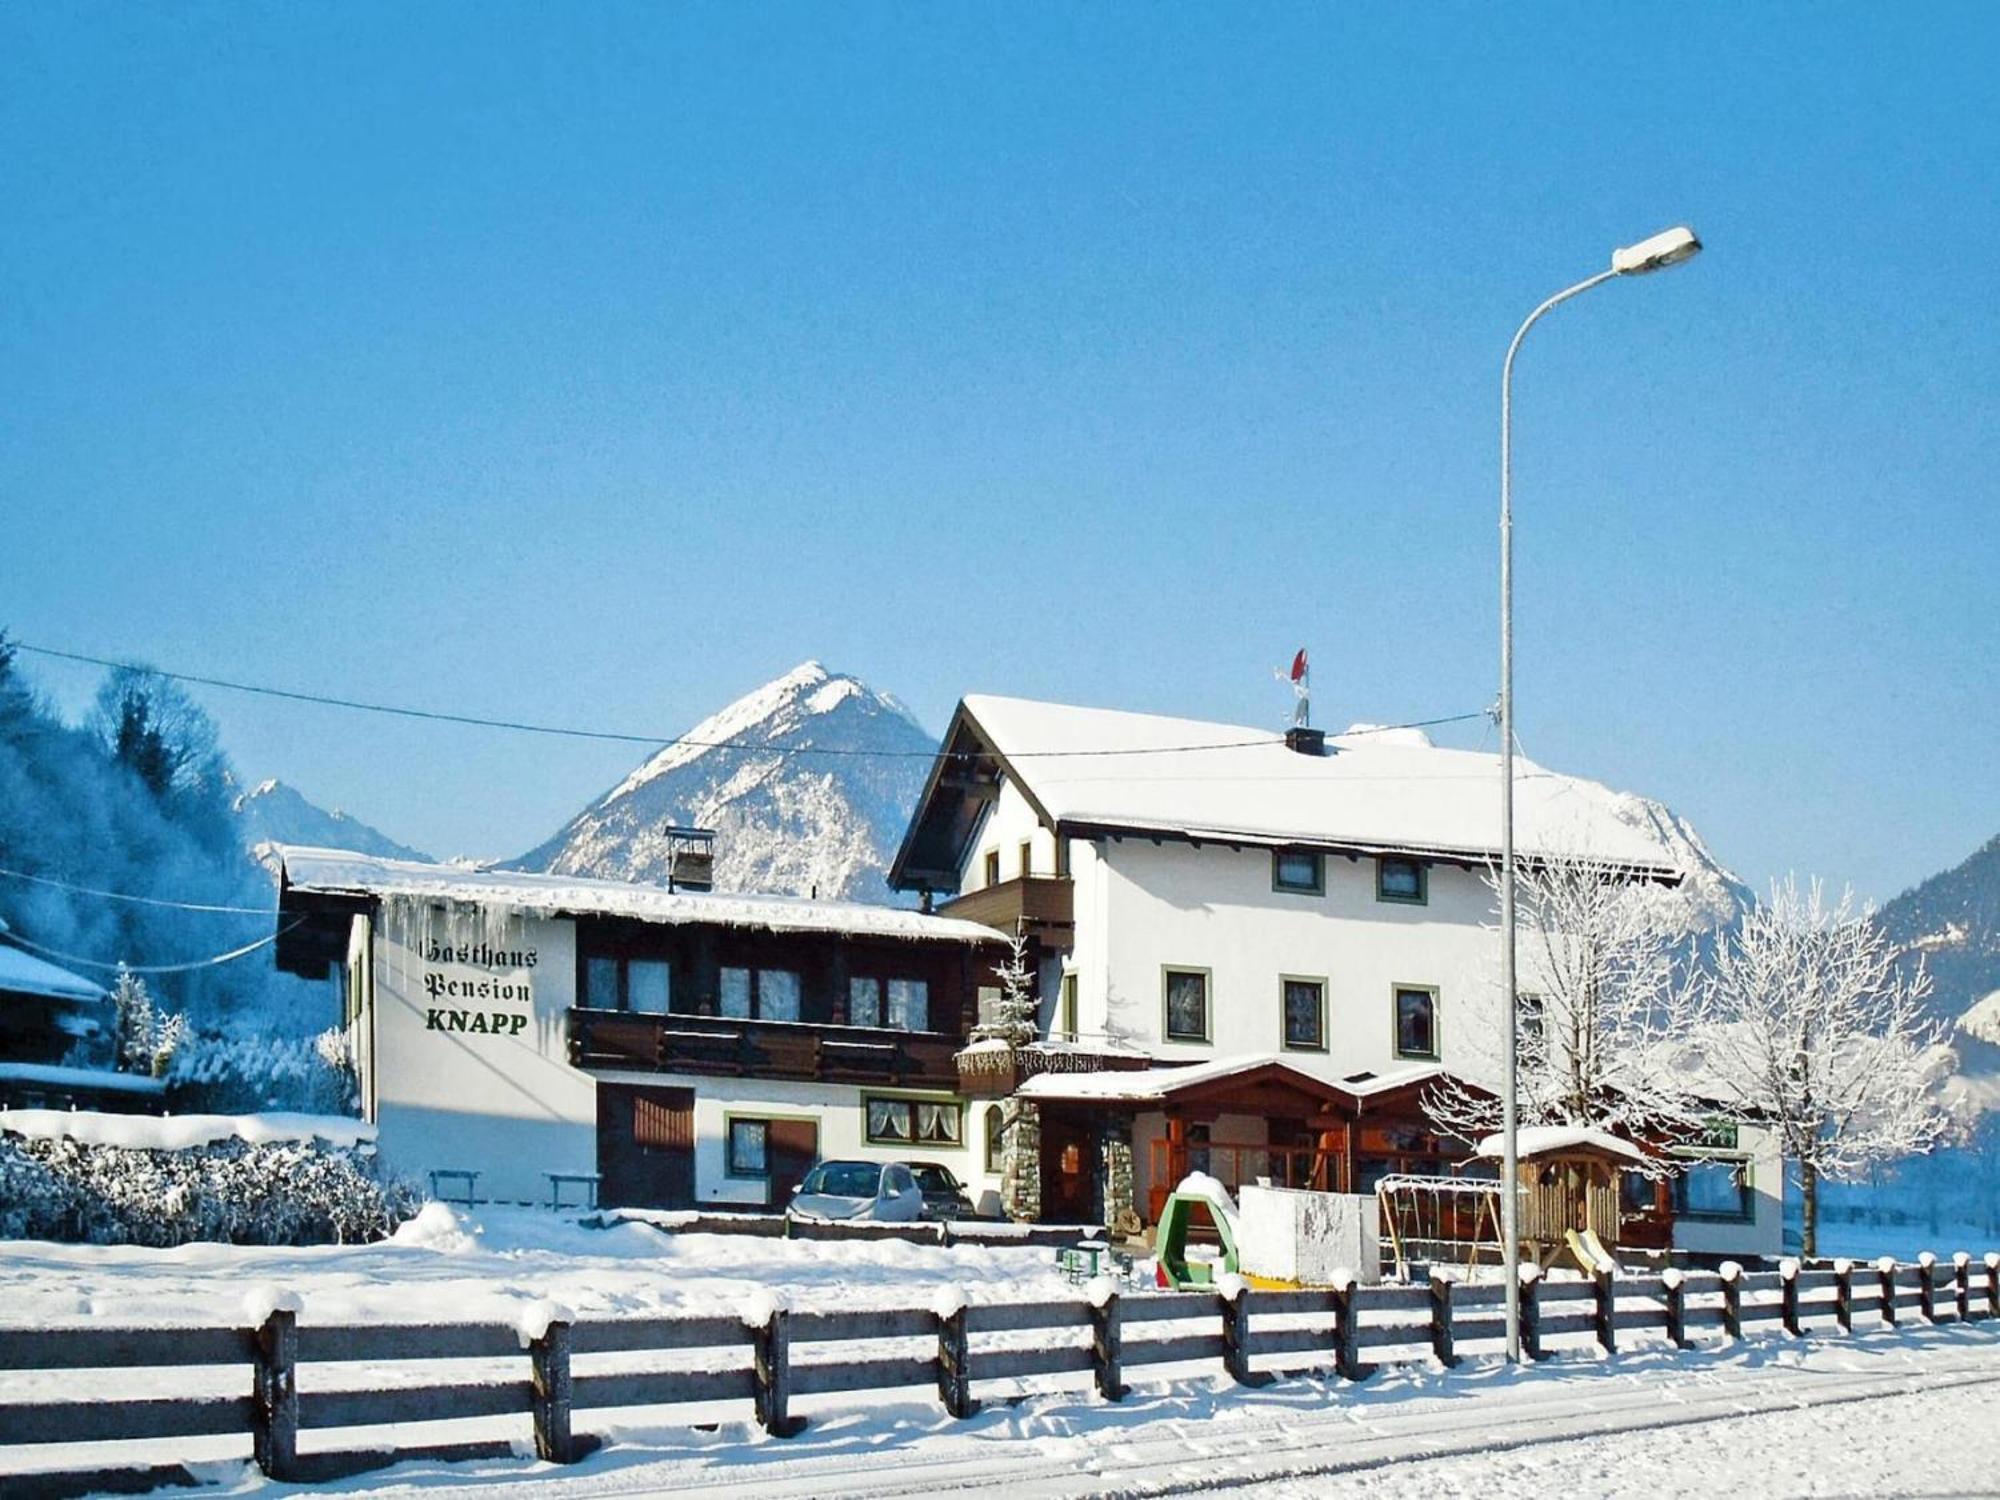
{"x":450,"y":1266}
{"x":1772,"y":1416}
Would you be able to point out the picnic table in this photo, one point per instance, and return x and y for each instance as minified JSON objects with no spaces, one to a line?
{"x":588,"y":1181}
{"x":469,"y":1179}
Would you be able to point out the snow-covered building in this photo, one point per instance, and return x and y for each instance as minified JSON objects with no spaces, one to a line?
{"x":687,"y":1048}
{"x":1208,"y":896}
{"x":56,"y":1041}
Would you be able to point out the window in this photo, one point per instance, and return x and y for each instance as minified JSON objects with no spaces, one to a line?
{"x":1716,"y":1187}
{"x":778,"y":994}
{"x":600,"y":984}
{"x":1416,"y":1022}
{"x":1062,"y":858}
{"x":1305,"y":1013}
{"x":864,"y":1002}
{"x":1293,"y":870}
{"x":1066,"y":1009}
{"x":909,"y":1005}
{"x":735,"y":994}
{"x":646,"y":982}
{"x":767,"y":994}
{"x":992,"y":866}
{"x":1187,"y":1004}
{"x":1404,"y":880}
{"x":1027,"y":857}
{"x":996,"y":1137}
{"x":635,"y":984}
{"x":749,"y":1148}
{"x":1531,"y":1021}
{"x":1197,"y":1147}
{"x":924,"y":1122}
{"x":896,"y":1180}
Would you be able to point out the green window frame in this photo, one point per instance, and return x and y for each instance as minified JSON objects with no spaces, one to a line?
{"x":1420,"y":879}
{"x":1422,"y":1001}
{"x":912,"y":1121}
{"x":1745,"y":1209}
{"x":1176,"y":992}
{"x":996,"y":1136}
{"x":741,"y":1158}
{"x":1290,"y":987}
{"x":1307,"y":876}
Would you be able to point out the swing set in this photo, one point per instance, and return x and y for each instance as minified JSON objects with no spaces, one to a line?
{"x":1439,"y":1220}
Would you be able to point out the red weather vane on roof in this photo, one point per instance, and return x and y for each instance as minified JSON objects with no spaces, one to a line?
{"x":1300,"y":678}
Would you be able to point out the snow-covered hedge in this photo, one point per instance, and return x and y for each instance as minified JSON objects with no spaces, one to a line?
{"x":281,"y":1192}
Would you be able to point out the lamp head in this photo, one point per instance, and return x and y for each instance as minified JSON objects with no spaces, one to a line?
{"x":1668,"y":248}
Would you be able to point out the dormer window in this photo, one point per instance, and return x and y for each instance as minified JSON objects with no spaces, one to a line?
{"x":1298,"y":871}
{"x":1402,"y":880}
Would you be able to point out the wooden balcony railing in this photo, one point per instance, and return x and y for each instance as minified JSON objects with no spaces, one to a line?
{"x":795,"y":1050}
{"x":1044,"y":906}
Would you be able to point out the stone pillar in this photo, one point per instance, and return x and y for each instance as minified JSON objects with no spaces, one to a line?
{"x":1115,"y":1196}
{"x":1021,"y":1161}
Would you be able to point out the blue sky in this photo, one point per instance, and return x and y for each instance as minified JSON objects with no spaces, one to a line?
{"x":594,"y":363}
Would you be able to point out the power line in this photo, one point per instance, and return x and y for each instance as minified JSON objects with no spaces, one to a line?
{"x":671,"y":741}
{"x":200,"y":963}
{"x":85,"y":890}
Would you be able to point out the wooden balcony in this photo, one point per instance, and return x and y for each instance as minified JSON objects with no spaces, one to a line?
{"x":793,"y":1050}
{"x":1044,"y":905}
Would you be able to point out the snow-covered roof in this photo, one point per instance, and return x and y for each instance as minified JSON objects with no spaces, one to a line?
{"x":342,"y":872}
{"x":1369,"y":1084}
{"x":182,"y":1132}
{"x":91,"y":1080}
{"x":1544,"y":1140}
{"x":1140,"y":1086}
{"x":1374,"y":789}
{"x":24,"y":974}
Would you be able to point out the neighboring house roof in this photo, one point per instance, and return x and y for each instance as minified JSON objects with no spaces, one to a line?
{"x":1162,"y":1085}
{"x":1095,"y":770}
{"x":340,"y":872}
{"x":24,"y":974}
{"x":1554,"y":1140}
{"x":76,"y":1080}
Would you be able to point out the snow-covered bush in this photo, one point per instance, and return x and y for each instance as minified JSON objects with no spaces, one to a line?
{"x":245,"y":1072}
{"x":281,"y":1193}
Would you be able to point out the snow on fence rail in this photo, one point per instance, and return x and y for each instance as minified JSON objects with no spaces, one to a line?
{"x":769,"y":1353}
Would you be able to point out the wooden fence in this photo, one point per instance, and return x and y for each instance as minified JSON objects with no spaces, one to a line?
{"x":766,"y":1364}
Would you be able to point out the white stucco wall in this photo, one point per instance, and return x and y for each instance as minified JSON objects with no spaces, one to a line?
{"x":1174,"y":905}
{"x":505,"y":1102}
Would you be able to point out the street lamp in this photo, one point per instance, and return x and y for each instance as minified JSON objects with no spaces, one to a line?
{"x":1668,"y":248}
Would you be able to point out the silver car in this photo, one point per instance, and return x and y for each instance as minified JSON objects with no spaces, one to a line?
{"x":881,"y":1192}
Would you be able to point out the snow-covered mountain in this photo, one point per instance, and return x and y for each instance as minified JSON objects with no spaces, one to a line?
{"x":784,"y":822}
{"x":273,"y":813}
{"x":1953,"y":920}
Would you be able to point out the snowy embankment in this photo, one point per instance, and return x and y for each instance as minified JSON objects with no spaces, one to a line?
{"x":452,"y":1266}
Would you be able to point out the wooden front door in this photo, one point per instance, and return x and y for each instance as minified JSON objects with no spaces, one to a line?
{"x":1069,"y":1171}
{"x":794,"y":1151}
{"x":645,"y":1146}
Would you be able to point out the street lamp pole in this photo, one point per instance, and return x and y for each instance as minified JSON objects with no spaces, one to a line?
{"x":1662,"y":250}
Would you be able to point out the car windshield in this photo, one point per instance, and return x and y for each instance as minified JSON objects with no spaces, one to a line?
{"x":933,"y":1178}
{"x":844,"y":1179}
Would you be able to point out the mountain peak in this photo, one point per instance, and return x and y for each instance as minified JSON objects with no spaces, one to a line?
{"x":276,"y":812}
{"x":807,"y":781}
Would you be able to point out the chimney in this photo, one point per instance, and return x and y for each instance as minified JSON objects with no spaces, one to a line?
{"x":1305,"y":741}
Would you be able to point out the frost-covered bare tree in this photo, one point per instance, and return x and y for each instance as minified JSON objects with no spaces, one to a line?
{"x":1811,"y":1024}
{"x":1606,"y":999}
